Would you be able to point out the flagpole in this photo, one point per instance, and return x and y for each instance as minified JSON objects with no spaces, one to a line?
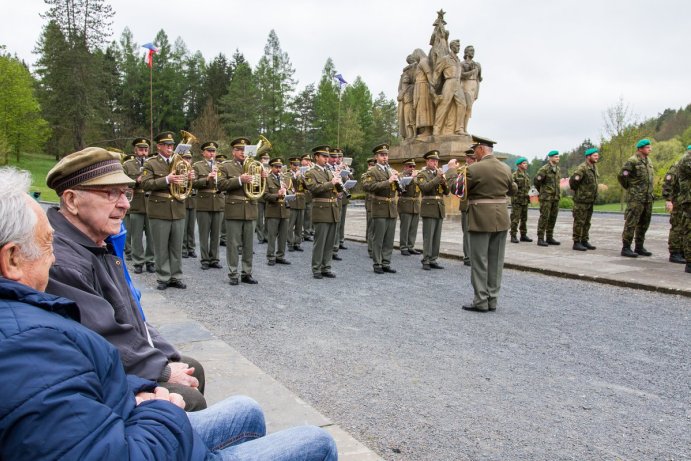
{"x":338,"y":130}
{"x":151,"y":102}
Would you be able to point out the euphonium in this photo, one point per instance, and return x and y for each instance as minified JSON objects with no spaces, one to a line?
{"x":255,"y":188}
{"x":180,"y":167}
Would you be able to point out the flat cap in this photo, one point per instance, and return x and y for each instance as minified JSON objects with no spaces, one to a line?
{"x":93,"y":166}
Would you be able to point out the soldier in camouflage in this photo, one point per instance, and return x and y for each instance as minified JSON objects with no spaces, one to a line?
{"x":546,"y":181}
{"x":670,"y":191}
{"x":684,"y":184}
{"x":637,"y":176}
{"x":520,"y":202}
{"x":583,"y":183}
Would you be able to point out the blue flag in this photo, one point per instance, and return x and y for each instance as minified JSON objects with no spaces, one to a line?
{"x":341,"y":81}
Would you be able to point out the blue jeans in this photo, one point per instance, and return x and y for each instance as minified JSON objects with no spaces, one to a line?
{"x":234,"y":430}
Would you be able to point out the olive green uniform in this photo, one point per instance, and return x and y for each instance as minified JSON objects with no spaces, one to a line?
{"x":383,"y":204}
{"x":432,"y":210}
{"x":584,"y":183}
{"x":167,"y":219}
{"x":409,"y":214}
{"x":670,"y":191}
{"x":520,"y":203}
{"x":368,"y":217}
{"x":210,"y":204}
{"x":344,"y":198}
{"x":307,"y":227}
{"x":240,"y":215}
{"x":637,"y":176}
{"x":276,"y":219}
{"x":325,"y":216}
{"x":297,"y":210}
{"x":456,"y":186}
{"x":188,"y":241}
{"x":547,"y":183}
{"x":137,"y":224}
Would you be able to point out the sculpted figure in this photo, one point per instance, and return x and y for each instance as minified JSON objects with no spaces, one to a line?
{"x":422,"y":94}
{"x":451,"y":104}
{"x":471,"y":76}
{"x":406,"y":112}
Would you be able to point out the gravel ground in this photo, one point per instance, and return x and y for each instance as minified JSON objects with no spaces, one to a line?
{"x":563,"y":370}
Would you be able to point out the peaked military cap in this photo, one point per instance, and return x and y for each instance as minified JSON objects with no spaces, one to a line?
{"x":409,"y":162}
{"x":520,"y":160}
{"x":381,"y":149}
{"x":642,"y":143}
{"x":333,"y":152}
{"x":431,"y":155}
{"x":240,"y":142}
{"x":93,"y":166}
{"x":221,"y":157}
{"x":140,"y":142}
{"x":480,"y":141}
{"x":294,"y":160}
{"x":591,"y":151}
{"x":470,"y":152}
{"x":209,"y":145}
{"x":371,"y":161}
{"x":187,"y":154}
{"x":321,"y":150}
{"x":552,"y":153}
{"x":165,"y":138}
{"x":276,"y":162}
{"x":306,"y":157}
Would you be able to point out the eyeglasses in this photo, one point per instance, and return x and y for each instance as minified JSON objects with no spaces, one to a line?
{"x":113,"y":194}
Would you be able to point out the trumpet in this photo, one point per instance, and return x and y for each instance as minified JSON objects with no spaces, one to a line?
{"x":396,"y":183}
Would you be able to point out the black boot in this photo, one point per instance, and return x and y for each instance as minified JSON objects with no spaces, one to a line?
{"x":578,"y":246}
{"x":688,"y":268}
{"x":587,"y":245}
{"x":677,"y":258}
{"x":541,"y":242}
{"x":640,"y":249}
{"x":525,"y":238}
{"x":551,"y":241}
{"x":514,"y":239}
{"x":626,"y":251}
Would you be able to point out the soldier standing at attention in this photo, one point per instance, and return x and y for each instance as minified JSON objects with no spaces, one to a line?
{"x":637,"y":176}
{"x":489,"y":183}
{"x":371,"y":162}
{"x":547,"y":183}
{"x":220,"y":158}
{"x":261,"y":205}
{"x":240,"y":213}
{"x":670,"y":191}
{"x":382,"y":182}
{"x":188,"y":240}
{"x":137,"y":224}
{"x":684,"y":182}
{"x":332,"y":165}
{"x":324,"y":187}
{"x":210,"y":205}
{"x":432,"y":184}
{"x":584,"y":183}
{"x":166,"y":213}
{"x":307,"y":228}
{"x":297,"y":205}
{"x":345,"y":200}
{"x":276,"y":214}
{"x":520,"y":202}
{"x":409,"y":210}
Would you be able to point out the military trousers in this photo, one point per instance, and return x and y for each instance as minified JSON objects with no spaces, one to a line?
{"x":636,"y":222}
{"x":239,"y":232}
{"x":686,"y":231}
{"x":295,"y":222}
{"x":466,"y":236}
{"x":322,"y":250}
{"x":548,"y":218}
{"x":209,"y":223}
{"x":431,"y":239}
{"x":582,"y":215}
{"x":675,"y":242}
{"x":138,"y":228}
{"x":168,"y":248}
{"x":487,"y":263}
{"x":519,"y":218}
{"x":260,"y":227}
{"x":188,"y":241}
{"x":307,"y":226}
{"x":383,"y":232}
{"x":128,"y":237}
{"x":277,"y":234}
{"x":341,"y":224}
{"x":408,"y":230}
{"x":368,"y":232}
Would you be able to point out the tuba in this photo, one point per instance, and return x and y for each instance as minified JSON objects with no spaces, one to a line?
{"x":179,"y":166}
{"x":255,"y":188}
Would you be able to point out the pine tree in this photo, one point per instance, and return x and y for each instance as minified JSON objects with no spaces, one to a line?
{"x":326,"y":106}
{"x":238,"y":108}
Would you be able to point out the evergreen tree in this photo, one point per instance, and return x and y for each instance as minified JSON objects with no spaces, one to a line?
{"x":238,"y":108}
{"x":358,"y":99}
{"x":300,"y":134}
{"x":132,"y":91}
{"x":326,"y":106}
{"x":216,"y":79}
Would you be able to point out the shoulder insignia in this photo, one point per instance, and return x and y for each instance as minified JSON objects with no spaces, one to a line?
{"x":539,"y":177}
{"x":576,"y":178}
{"x":145,"y":172}
{"x":625,"y":173}
{"x":668,"y":177}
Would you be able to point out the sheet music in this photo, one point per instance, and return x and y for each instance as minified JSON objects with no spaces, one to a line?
{"x":290,"y":197}
{"x":251,"y":150}
{"x":183,"y":148}
{"x":445,"y":168}
{"x":349,"y":184}
{"x":405,"y":181}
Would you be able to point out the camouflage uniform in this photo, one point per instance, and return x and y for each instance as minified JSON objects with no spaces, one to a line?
{"x":520,"y":203}
{"x":684,"y":185}
{"x":670,"y":191}
{"x":584,"y":183}
{"x":547,"y":183}
{"x":636,"y":176}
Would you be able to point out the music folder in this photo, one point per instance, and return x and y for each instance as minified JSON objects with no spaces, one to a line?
{"x":349,"y":184}
{"x":405,"y":181}
{"x":183,"y":148}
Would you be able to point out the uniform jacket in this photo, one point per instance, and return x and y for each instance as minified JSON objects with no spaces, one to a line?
{"x":409,"y":200}
{"x":368,"y":196}
{"x":275,"y":205}
{"x":238,"y":206}
{"x":299,"y":190}
{"x":383,"y":193}
{"x":65,"y":394}
{"x":324,"y":203}
{"x":670,"y":185}
{"x":209,"y":198}
{"x":636,"y":176}
{"x":433,"y":189}
{"x":161,"y":204}
{"x":583,"y":182}
{"x":546,"y":181}
{"x":522,"y":181}
{"x":191,"y":202}
{"x":489,"y":180}
{"x":133,"y":168}
{"x":684,"y":179}
{"x":93,"y":277}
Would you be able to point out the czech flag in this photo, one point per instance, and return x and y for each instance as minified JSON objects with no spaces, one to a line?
{"x":341,"y":81}
{"x":149,"y":58}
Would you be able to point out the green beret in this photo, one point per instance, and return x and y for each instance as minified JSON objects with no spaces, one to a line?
{"x":92,"y":166}
{"x":591,"y":151}
{"x":381,"y":149}
{"x":642,"y":143}
{"x":520,"y":160}
{"x":688,"y":147}
{"x":276,"y":162}
{"x":165,"y":138}
{"x":431,"y":155}
{"x":210,"y":145}
{"x":552,"y":153}
{"x":321,"y":150}
{"x":140,"y":142}
{"x":240,"y":142}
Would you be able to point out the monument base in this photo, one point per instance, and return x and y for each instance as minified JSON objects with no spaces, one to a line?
{"x":449,"y":146}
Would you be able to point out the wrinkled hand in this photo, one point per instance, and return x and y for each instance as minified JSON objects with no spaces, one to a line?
{"x":161,"y":393}
{"x":181,"y":373}
{"x":336,"y":180}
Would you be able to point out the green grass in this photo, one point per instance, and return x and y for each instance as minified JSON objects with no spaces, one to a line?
{"x":39,"y":165}
{"x":658,"y":207}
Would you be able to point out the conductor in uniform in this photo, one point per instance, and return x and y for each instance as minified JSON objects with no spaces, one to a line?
{"x":489,"y":182}
{"x":210,"y":205}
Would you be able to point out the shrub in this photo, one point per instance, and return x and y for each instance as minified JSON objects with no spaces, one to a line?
{"x":566,"y":203}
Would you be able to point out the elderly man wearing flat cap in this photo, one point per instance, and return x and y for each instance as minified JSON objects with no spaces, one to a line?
{"x":94,"y":197}
{"x":637,"y":176}
{"x":489,"y":184}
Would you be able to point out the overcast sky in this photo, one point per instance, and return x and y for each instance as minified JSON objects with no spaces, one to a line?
{"x":550,"y":68}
